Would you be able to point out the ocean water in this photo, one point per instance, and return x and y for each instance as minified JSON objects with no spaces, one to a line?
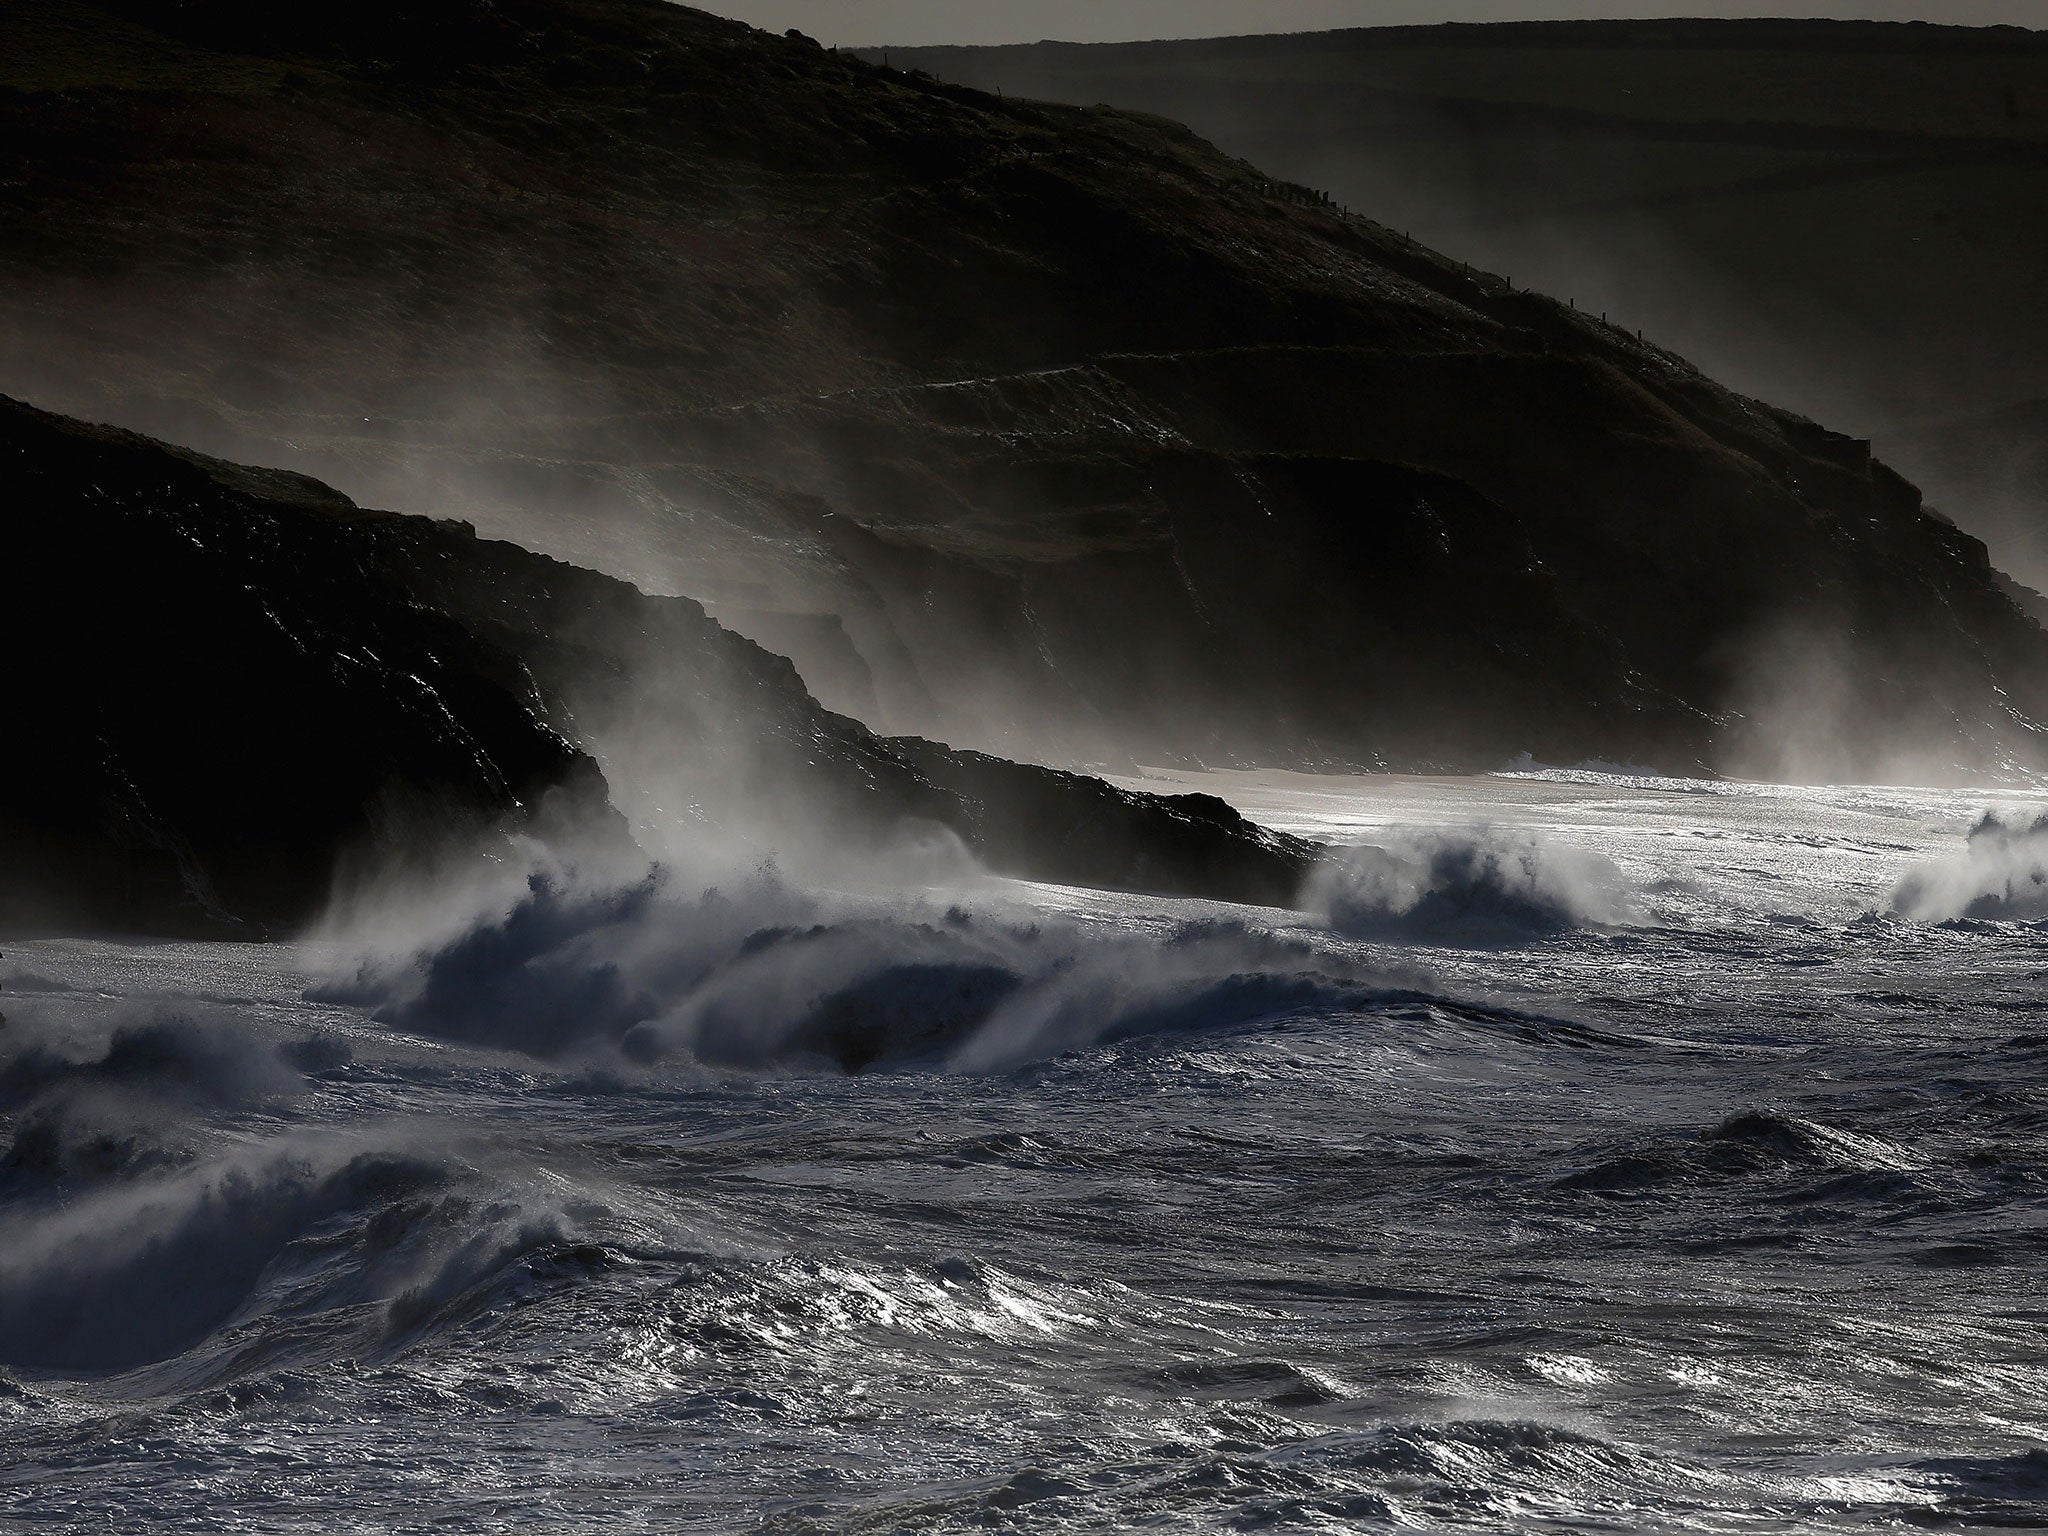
{"x":1599,"y":1154}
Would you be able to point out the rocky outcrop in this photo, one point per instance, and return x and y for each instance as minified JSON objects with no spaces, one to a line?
{"x":230,"y":683}
{"x":1093,"y":442}
{"x":217,"y":694}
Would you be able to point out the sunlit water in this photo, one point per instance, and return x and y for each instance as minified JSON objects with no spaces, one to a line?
{"x":1717,"y":1203}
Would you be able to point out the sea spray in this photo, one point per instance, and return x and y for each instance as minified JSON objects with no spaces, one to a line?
{"x":759,"y":971}
{"x":2001,"y":876}
{"x":1480,"y":886}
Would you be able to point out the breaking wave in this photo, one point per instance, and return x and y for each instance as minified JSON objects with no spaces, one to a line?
{"x":163,"y":1052}
{"x":2001,"y":876}
{"x":130,"y":1233}
{"x":1473,"y":888}
{"x":84,"y":1106}
{"x":762,"y":973}
{"x":297,"y":1230}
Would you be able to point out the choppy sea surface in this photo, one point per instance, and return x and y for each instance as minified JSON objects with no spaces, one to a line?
{"x":1598,"y":1154}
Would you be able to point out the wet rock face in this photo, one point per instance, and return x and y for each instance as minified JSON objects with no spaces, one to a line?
{"x":1092,"y":442}
{"x":229,"y":681}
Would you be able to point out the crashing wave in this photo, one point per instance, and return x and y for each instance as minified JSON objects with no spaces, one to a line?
{"x":144,"y":1269}
{"x":1479,"y":887}
{"x":84,"y":1107}
{"x":2001,"y":876}
{"x":760,"y":972}
{"x":139,"y":1219}
{"x":162,"y":1052}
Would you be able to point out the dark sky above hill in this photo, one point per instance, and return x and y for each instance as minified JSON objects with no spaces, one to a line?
{"x":856,"y":22}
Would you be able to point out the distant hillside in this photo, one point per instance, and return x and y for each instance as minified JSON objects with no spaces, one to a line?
{"x":1847,"y":218}
{"x":1043,"y":429}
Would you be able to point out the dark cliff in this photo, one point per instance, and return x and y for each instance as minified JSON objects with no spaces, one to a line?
{"x":227,"y":682}
{"x":1046,"y":429}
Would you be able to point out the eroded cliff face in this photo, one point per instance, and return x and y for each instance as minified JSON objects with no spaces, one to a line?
{"x":230,"y":686}
{"x":1043,"y":429}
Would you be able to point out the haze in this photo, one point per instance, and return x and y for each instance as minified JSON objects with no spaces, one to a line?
{"x":858,"y":22}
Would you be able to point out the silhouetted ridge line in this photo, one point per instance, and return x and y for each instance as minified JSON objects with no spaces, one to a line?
{"x":1220,"y":473}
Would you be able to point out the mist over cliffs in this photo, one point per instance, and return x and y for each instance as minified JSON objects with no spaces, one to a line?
{"x":1044,"y":430}
{"x":245,"y":690}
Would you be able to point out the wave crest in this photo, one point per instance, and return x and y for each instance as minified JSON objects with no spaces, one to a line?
{"x":1479,"y":887}
{"x":2001,"y":876}
{"x":761,"y":973}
